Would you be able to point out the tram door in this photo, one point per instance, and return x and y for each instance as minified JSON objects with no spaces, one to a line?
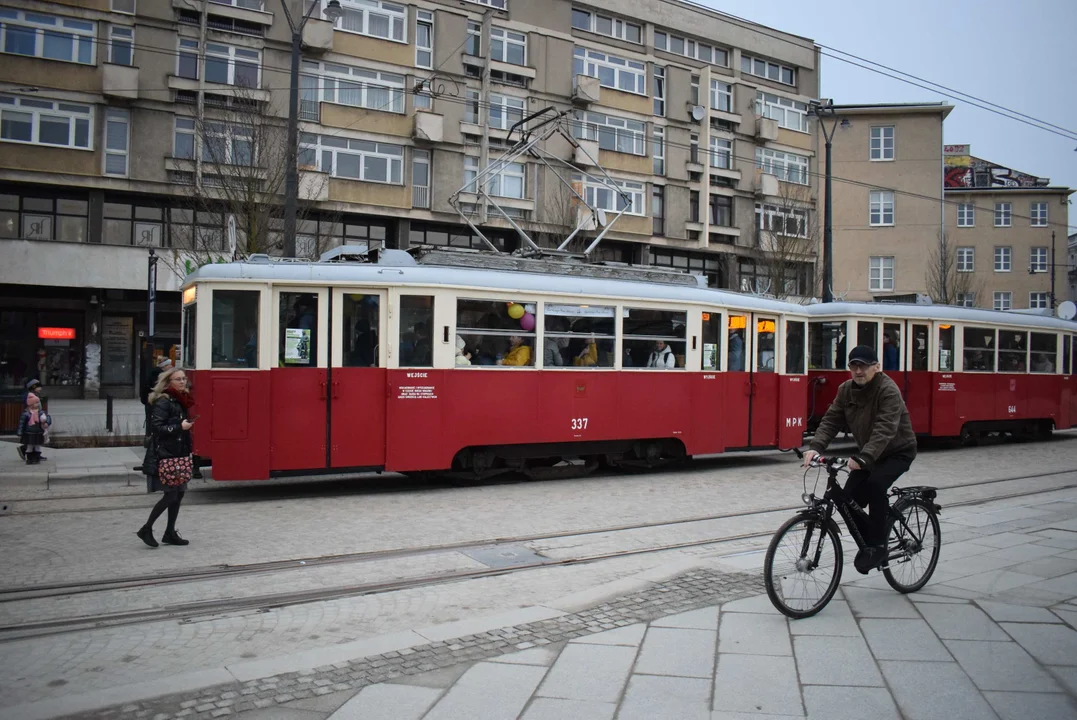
{"x":298,"y":378}
{"x":765,"y":393}
{"x":738,"y":397}
{"x":917,"y":354}
{"x":356,"y":389}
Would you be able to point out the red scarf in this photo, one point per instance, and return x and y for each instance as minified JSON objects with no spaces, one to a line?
{"x":183,"y":398}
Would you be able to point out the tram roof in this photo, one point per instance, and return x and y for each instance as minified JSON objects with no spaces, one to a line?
{"x":938,"y":312}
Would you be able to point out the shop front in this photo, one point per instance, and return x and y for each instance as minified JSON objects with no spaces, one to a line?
{"x":46,"y":345}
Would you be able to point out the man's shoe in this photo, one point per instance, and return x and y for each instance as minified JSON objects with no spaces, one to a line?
{"x":869,"y":558}
{"x":171,"y":537}
{"x":146,"y":535}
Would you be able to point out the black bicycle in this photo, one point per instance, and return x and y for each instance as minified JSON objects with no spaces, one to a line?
{"x":802,"y":569}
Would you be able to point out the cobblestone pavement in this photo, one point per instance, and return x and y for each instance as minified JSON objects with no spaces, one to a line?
{"x":86,"y":666}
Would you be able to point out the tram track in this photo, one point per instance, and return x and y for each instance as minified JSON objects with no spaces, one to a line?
{"x":267,"y":601}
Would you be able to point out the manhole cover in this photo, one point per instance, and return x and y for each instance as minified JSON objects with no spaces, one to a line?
{"x":499,"y":556}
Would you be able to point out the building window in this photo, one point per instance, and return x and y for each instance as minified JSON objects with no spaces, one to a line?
{"x":790,"y":114}
{"x":187,"y":59}
{"x":881,"y":274}
{"x":504,"y":111}
{"x":611,"y":71}
{"x":51,"y":37}
{"x":228,"y":143}
{"x":364,"y":160}
{"x":605,"y":25}
{"x":117,"y":139}
{"x":690,"y":48}
{"x":659,"y":91}
{"x":420,"y":178}
{"x":693,"y":206}
{"x":1002,"y":259}
{"x":229,"y":65}
{"x":121,"y":45}
{"x":721,"y":96}
{"x":882,"y":143}
{"x":721,"y":153}
{"x":966,"y":215}
{"x":693,"y":148}
{"x":1003,"y":214}
{"x":424,"y":39}
{"x":612,"y":133}
{"x":347,"y":85}
{"x":768,"y":70}
{"x":783,"y":221}
{"x":1003,"y":300}
{"x":1038,"y":211}
{"x":46,"y":122}
{"x":123,"y":6}
{"x":787,"y":166}
{"x":881,"y":207}
{"x":1039,"y":300}
{"x":1037,"y":260}
{"x":721,"y":208}
{"x":966,"y":259}
{"x":183,"y":140}
{"x":375,"y":18}
{"x":496,"y":4}
{"x":622,"y":195}
{"x":710,"y":265}
{"x":967,"y":299}
{"x":659,"y":141}
{"x":693,"y":92}
{"x":658,"y":210}
{"x":508,"y":182}
{"x":507,"y":46}
{"x":43,"y":218}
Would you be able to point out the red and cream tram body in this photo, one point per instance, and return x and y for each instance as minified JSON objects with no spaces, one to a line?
{"x":327,"y":367}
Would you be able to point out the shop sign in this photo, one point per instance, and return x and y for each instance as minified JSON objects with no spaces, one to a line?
{"x":55,"y":333}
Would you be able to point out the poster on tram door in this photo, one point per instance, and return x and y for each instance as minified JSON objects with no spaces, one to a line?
{"x":297,"y":346}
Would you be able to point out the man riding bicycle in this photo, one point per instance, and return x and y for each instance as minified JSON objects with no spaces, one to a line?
{"x":870,"y":405}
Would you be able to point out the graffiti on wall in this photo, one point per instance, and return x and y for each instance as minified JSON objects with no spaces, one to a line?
{"x":964,"y":170}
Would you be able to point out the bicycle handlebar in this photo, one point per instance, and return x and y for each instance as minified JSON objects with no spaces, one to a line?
{"x":830,"y":463}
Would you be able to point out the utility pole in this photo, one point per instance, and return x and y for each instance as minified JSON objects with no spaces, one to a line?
{"x":822,"y":109}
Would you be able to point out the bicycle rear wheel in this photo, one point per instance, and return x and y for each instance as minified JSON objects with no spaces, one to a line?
{"x":913,"y":551}
{"x":802,"y":568}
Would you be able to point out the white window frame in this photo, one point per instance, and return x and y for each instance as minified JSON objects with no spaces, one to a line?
{"x":83,"y":34}
{"x":879,"y":201}
{"x":966,"y":299}
{"x":496,"y":4}
{"x":1037,"y":259}
{"x":1003,"y":300}
{"x":1003,"y":258}
{"x":1037,"y":214}
{"x":687,"y":47}
{"x":503,"y":110}
{"x":328,"y":149}
{"x":497,"y":184}
{"x":790,"y":114}
{"x":503,"y":38}
{"x":424,"y":19}
{"x":235,"y":55}
{"x":187,"y":47}
{"x":40,"y":108}
{"x":421,"y":157}
{"x":788,"y":167}
{"x":1003,"y":214}
{"x":115,"y":117}
{"x":589,"y":125}
{"x":660,"y":90}
{"x":120,"y":6}
{"x":330,"y":77}
{"x":881,"y":144}
{"x":247,"y":4}
{"x":395,"y":13}
{"x":595,"y":189}
{"x":618,"y":27}
{"x":184,"y":125}
{"x":721,"y":96}
{"x":1039,"y":300}
{"x":721,"y":153}
{"x":658,"y":139}
{"x":122,"y":36}
{"x":774,"y":219}
{"x":231,"y":134}
{"x":966,"y":259}
{"x":878,"y":268}
{"x":763,"y":68}
{"x":966,"y":215}
{"x":586,"y":61}
{"x":474,"y":32}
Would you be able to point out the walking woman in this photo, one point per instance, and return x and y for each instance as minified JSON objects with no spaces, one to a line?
{"x":168,"y":459}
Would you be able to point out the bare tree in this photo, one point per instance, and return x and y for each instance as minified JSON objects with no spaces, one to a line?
{"x":945,"y":284}
{"x":787,"y":242}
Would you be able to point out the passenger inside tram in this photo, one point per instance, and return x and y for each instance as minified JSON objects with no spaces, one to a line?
{"x":1042,"y":364}
{"x":736,"y":351}
{"x":891,"y":353}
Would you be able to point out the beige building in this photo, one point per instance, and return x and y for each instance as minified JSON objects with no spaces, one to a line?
{"x":128,"y":123}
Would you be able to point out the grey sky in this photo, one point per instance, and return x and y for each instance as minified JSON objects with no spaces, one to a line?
{"x":1017,"y":54}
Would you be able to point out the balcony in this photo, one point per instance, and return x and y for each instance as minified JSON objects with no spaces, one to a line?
{"x":191,"y":85}
{"x":318,"y":36}
{"x":586,"y":155}
{"x":428,"y":127}
{"x":765,"y":184}
{"x":586,"y":90}
{"x":420,"y":197}
{"x":766,"y":129}
{"x":119,"y":81}
{"x":313,"y":186}
{"x":245,"y":10}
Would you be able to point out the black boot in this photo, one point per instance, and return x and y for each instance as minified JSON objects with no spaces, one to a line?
{"x":22,"y":452}
{"x":146,"y":534}
{"x":171,"y":537}
{"x":33,"y":458}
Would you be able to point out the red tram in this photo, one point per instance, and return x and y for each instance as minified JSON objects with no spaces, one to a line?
{"x":340,"y":367}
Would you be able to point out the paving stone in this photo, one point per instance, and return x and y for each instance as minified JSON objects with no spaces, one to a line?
{"x":544,"y":656}
{"x":961,"y":622}
{"x":388,"y":702}
{"x":702,"y":619}
{"x":678,"y":651}
{"x":757,"y":684}
{"x":1023,"y":553}
{"x":754,"y":634}
{"x":651,"y":696}
{"x":903,"y":640}
{"x":1005,"y":540}
{"x":1067,"y":676}
{"x":934,"y":690}
{"x":1049,"y":567}
{"x":757,"y":604}
{"x":836,"y":620}
{"x":1001,"y":666}
{"x":835,"y":661}
{"x":631,"y":635}
{"x":489,"y":691}
{"x":1050,"y":644}
{"x":993,"y":581}
{"x":848,"y":703}
{"x":866,"y":602}
{"x":1024,"y":705}
{"x":589,"y":672}
{"x":1005,"y":612}
{"x":559,"y":709}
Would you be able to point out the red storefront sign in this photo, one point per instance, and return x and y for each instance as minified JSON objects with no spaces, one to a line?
{"x":55,"y":333}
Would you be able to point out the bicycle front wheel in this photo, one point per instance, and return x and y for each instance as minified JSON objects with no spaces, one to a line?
{"x":913,"y":546}
{"x":802,"y":568}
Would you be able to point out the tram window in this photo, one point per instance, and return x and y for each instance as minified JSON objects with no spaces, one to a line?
{"x":920,"y":337}
{"x":891,"y":355}
{"x":1067,"y":355}
{"x":654,"y":338}
{"x":979,"y":349}
{"x":794,"y":347}
{"x":497,"y":332}
{"x":1044,"y":352}
{"x":737,"y":326}
{"x":298,"y":341}
{"x":712,"y":341}
{"x":361,"y":320}
{"x":826,"y":345}
{"x":946,"y":348}
{"x":1012,"y":351}
{"x":190,"y":332}
{"x":765,"y":345}
{"x":235,"y":329}
{"x":417,"y":331}
{"x":578,"y":336}
{"x":867,"y":333}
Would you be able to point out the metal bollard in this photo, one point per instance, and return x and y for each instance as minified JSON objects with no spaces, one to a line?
{"x":108,"y":413}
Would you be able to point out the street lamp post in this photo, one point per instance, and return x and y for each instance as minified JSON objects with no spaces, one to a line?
{"x":332,"y":13}
{"x":823,"y":109}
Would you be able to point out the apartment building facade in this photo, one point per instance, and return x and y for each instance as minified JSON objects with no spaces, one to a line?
{"x":124,"y":121}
